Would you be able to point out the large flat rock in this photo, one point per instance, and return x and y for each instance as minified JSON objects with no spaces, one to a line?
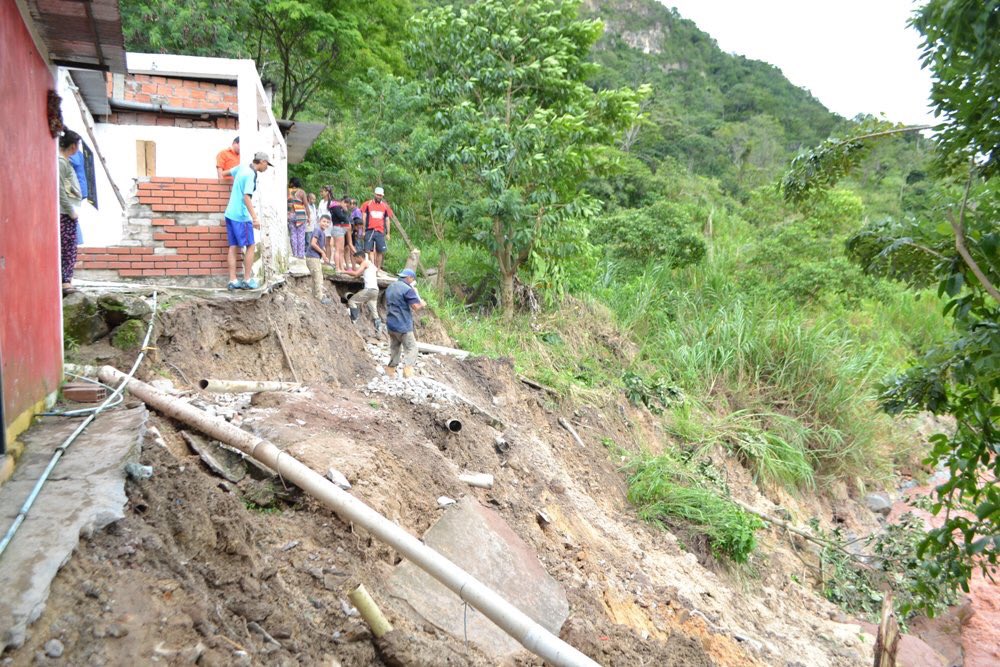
{"x":478,"y":540}
{"x":84,"y":493}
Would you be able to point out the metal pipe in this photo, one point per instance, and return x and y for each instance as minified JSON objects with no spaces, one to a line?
{"x":245,"y":386}
{"x":21,"y":515}
{"x":512,"y":620}
{"x":127,"y":105}
{"x":453,"y":425}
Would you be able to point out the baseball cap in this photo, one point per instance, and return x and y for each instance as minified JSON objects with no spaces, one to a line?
{"x":380,"y":191}
{"x":261,"y":156}
{"x":407,"y":273}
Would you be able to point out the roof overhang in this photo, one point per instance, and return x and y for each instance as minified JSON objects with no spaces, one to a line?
{"x":93,"y":89}
{"x":299,"y":137}
{"x":80,"y":34}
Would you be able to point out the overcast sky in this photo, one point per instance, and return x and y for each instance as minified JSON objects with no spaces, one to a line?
{"x":855,"y":56}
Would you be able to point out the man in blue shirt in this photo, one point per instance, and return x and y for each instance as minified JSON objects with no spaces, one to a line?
{"x":401,"y":299}
{"x":241,"y":219}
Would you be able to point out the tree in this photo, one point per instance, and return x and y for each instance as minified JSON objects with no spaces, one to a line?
{"x":957,"y":245}
{"x":192,"y":27}
{"x":506,"y":84}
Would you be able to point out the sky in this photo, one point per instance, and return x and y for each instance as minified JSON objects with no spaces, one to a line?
{"x":855,"y":56}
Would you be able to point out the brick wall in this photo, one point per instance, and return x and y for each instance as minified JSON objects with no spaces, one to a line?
{"x":175,"y":228}
{"x":175,"y":92}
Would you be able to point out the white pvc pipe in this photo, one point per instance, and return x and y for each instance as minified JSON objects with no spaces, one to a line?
{"x":428,"y":348}
{"x":509,"y":618}
{"x":244,"y":386}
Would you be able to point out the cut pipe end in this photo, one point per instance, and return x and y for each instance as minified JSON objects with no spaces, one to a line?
{"x":203,"y":384}
{"x":453,"y":425}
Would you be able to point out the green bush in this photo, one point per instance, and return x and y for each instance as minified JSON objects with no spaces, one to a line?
{"x":666,"y":488}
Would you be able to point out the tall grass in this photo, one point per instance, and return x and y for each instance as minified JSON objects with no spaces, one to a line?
{"x":665,"y":487}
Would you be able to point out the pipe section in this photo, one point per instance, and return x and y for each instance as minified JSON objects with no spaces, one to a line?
{"x":244,"y":386}
{"x":509,"y":618}
{"x":453,"y":425}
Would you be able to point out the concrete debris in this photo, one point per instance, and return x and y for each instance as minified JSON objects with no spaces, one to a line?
{"x":291,"y":545}
{"x":348,"y":609}
{"x":445,"y":501}
{"x":501,"y":445}
{"x":223,"y":462}
{"x":138,"y":472}
{"x":481,"y":480}
{"x":54,"y":648}
{"x":338,"y":478}
{"x":414,"y":389}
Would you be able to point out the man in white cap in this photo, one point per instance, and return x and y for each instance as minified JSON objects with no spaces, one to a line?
{"x":401,"y":300}
{"x":242,"y":219}
{"x":378,"y":222}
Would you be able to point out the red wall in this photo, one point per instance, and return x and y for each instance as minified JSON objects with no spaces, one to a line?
{"x":30,"y":299}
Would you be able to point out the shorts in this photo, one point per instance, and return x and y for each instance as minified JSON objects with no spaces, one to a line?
{"x":375,"y":241}
{"x":239,"y":233}
{"x":338,"y":231}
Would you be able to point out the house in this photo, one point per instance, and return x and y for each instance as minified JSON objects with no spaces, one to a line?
{"x":151,"y":125}
{"x":36,"y":38}
{"x":156,"y":130}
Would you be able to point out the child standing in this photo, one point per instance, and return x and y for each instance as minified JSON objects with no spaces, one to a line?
{"x":316,"y":256}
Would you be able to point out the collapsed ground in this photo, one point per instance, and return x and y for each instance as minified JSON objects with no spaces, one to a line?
{"x":200,"y":571}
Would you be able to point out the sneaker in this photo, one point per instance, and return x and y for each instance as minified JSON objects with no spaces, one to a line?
{"x":235,"y":284}
{"x":250,"y":284}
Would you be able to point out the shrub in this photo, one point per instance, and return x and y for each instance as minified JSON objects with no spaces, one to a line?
{"x":666,"y":488}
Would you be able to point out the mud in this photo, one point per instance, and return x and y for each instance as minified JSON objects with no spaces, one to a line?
{"x":195,"y":574}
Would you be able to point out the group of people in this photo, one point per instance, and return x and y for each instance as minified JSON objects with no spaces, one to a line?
{"x":349,"y":227}
{"x":332,"y":231}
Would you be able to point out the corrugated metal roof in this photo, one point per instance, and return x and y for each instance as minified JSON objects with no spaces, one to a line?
{"x":93,"y":89}
{"x":299,"y":137}
{"x":83,"y":34}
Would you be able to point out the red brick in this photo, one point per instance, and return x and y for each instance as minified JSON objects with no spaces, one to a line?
{"x":163,"y":222}
{"x":178,"y":272}
{"x":95,"y":265}
{"x":118,"y":250}
{"x":153,"y":272}
{"x":130,"y":273}
{"x":176,"y":243}
{"x":119,"y":265}
{"x":164,"y":236}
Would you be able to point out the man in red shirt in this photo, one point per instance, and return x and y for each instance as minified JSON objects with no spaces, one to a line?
{"x":378,"y":217}
{"x":227,"y":159}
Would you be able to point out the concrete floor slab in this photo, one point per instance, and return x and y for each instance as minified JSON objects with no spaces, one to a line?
{"x":478,"y":540}
{"x":84,"y":493}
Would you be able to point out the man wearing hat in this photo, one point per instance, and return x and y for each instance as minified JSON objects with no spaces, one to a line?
{"x":241,"y":219}
{"x":378,"y":221}
{"x":401,"y":299}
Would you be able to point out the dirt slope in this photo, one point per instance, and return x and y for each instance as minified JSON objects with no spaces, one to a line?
{"x":194,"y":575}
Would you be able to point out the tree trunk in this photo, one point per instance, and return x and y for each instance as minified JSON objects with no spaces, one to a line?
{"x":507,"y":293}
{"x":442,"y":261}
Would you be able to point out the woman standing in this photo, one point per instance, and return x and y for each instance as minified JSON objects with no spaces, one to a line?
{"x":298,"y":216}
{"x":69,"y":204}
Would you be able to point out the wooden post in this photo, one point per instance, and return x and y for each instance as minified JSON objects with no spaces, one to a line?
{"x":887,"y":640}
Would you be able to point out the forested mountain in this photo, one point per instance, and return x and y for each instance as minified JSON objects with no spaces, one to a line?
{"x":720,"y":114}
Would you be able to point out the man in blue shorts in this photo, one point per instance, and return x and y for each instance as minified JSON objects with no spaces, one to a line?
{"x":241,"y":219}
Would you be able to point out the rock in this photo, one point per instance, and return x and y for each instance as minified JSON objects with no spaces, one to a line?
{"x":445,"y":501}
{"x":54,"y":648}
{"x":138,"y":472}
{"x":878,"y":502}
{"x":129,"y":335}
{"x":481,"y":480}
{"x":82,"y":321}
{"x":223,"y":462}
{"x":116,"y":309}
{"x":338,"y":478}
{"x":117,"y":631}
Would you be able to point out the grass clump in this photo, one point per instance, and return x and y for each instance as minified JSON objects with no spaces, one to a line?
{"x":666,"y":488}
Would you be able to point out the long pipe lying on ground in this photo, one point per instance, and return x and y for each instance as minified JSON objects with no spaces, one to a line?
{"x":509,"y":618}
{"x":244,"y":386}
{"x":428,"y":348}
